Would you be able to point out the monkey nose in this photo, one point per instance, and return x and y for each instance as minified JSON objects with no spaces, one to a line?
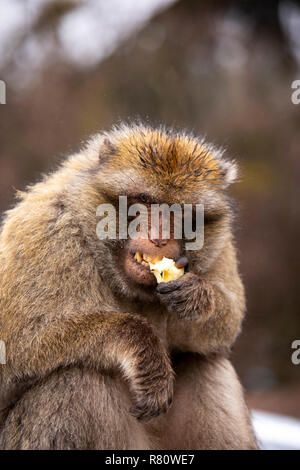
{"x":158,"y":242}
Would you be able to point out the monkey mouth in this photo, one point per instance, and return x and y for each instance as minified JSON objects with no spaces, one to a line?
{"x":146,"y":260}
{"x":138,"y":269}
{"x":150,"y":269}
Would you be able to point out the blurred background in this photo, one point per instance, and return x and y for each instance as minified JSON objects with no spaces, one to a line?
{"x":221,"y":68}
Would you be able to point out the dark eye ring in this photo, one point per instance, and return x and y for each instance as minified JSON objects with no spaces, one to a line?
{"x":143,"y":198}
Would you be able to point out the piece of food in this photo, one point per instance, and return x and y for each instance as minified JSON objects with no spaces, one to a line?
{"x":163,"y":269}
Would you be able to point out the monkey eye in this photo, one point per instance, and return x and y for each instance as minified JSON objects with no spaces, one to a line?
{"x":212,"y":217}
{"x":143,"y":198}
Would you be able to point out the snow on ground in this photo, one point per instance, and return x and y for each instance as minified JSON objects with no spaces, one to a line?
{"x":276,"y":432}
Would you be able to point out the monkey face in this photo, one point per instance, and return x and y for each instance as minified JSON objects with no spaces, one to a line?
{"x":158,"y":166}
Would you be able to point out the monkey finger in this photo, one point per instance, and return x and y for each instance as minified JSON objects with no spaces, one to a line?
{"x":142,"y":413}
{"x":166,"y":287}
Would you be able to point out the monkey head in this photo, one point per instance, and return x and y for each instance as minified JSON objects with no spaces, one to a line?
{"x":154,"y":167}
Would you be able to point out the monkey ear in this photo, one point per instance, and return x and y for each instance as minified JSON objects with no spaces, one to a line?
{"x":229,"y":172}
{"x":107,"y":149}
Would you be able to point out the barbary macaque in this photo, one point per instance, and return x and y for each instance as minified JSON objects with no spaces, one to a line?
{"x":109,"y":346}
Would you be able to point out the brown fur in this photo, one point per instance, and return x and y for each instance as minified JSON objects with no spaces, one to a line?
{"x":88,"y":347}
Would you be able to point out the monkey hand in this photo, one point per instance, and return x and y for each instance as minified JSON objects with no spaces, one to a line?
{"x":189,"y":297}
{"x":149,"y":373}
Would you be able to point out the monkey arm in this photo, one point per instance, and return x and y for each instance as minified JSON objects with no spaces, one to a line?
{"x":55,"y":310}
{"x":205,"y":312}
{"x":103,"y":341}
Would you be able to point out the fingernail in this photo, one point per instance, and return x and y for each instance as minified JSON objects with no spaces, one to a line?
{"x":181,"y":262}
